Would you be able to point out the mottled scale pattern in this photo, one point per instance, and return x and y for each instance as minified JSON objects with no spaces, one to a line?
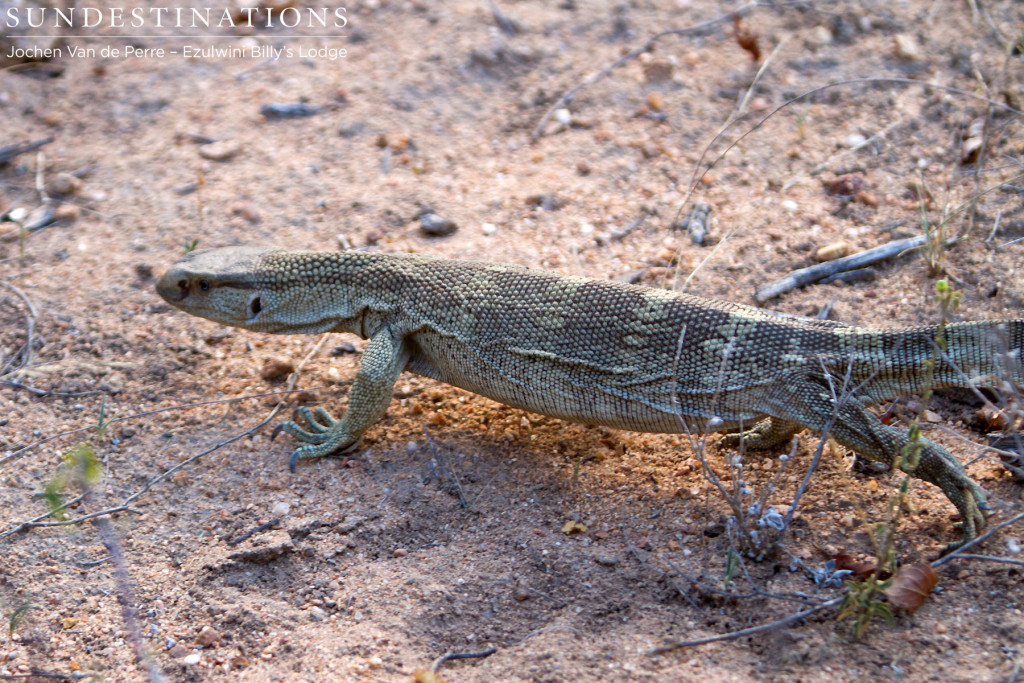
{"x":594,"y":351}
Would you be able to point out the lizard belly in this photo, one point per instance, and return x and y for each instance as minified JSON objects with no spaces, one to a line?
{"x":623,"y":398}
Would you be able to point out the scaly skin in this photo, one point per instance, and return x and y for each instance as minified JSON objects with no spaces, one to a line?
{"x":595,"y":351}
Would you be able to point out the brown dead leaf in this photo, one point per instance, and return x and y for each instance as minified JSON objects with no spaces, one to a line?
{"x":746,"y":40}
{"x":862,"y":569}
{"x":572,"y":528}
{"x":911,"y":585}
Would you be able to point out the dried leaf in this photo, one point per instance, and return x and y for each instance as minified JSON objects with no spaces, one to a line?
{"x":911,"y":585}
{"x":862,"y":569}
{"x":426,"y":676}
{"x":746,"y":40}
{"x":572,"y":527}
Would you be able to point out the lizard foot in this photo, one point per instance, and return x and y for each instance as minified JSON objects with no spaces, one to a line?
{"x":323,"y":435}
{"x":941,"y":468}
{"x":763,"y":435}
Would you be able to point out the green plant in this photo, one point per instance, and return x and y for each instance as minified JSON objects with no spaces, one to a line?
{"x":190,"y":246}
{"x":80,"y":468}
{"x":17,"y":615}
{"x":863,"y":602}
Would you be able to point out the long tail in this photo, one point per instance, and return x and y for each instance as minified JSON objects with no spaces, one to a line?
{"x":985,"y":353}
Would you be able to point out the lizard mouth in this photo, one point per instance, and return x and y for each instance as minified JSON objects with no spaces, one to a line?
{"x":172,"y":287}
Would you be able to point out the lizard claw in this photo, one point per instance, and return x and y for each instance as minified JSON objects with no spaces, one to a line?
{"x":277,"y":430}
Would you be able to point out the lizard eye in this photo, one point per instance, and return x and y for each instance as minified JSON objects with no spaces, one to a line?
{"x":255,"y":305}
{"x":204,"y":285}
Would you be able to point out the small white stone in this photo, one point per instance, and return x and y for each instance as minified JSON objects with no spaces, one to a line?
{"x":191,"y":660}
{"x":412,"y":447}
{"x":819,"y":35}
{"x":563,"y":116}
{"x":1013,"y":545}
{"x":855,"y":140}
{"x":907,"y":47}
{"x":280,"y":509}
{"x":489,"y":228}
{"x":789,"y":205}
{"x":587,"y":229}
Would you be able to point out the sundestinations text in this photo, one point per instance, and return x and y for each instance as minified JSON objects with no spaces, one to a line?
{"x":173,"y":17}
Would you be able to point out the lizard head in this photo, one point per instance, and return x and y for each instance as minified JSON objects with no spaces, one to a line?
{"x":250,"y":287}
{"x":216,"y":284}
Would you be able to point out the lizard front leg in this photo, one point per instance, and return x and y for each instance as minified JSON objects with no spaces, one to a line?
{"x":383,"y":360}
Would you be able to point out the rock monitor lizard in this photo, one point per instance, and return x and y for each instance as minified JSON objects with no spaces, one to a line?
{"x":596,"y":351}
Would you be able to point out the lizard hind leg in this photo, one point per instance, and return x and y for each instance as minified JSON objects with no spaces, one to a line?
{"x":764,"y":434}
{"x":811,"y":402}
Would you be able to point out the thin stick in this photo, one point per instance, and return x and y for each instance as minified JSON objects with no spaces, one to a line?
{"x":810,"y":274}
{"x":991,"y":558}
{"x":126,"y":596}
{"x":252,"y":532}
{"x":461,"y":655}
{"x":30,"y":319}
{"x":732,"y":635}
{"x":10,"y":151}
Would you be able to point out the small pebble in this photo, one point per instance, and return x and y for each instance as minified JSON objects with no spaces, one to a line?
{"x":820,"y":36}
{"x":343,"y":348}
{"x":832,"y":251}
{"x":191,"y":660}
{"x":489,"y":228}
{"x":400,"y":552}
{"x":221,"y":150}
{"x":280,"y":509}
{"x":247,"y":211}
{"x":432,"y":224}
{"x":64,"y":183}
{"x":208,"y":637}
{"x":789,"y":205}
{"x":67,"y":212}
{"x":855,"y":140}
{"x":563,"y":116}
{"x":276,"y":368}
{"x":658,"y":70}
{"x":847,"y":184}
{"x":907,"y":47}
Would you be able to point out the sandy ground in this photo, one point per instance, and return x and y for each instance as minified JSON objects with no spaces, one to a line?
{"x":375,"y":567}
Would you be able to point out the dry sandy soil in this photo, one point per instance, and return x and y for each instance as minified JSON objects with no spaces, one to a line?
{"x":374,"y":567}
